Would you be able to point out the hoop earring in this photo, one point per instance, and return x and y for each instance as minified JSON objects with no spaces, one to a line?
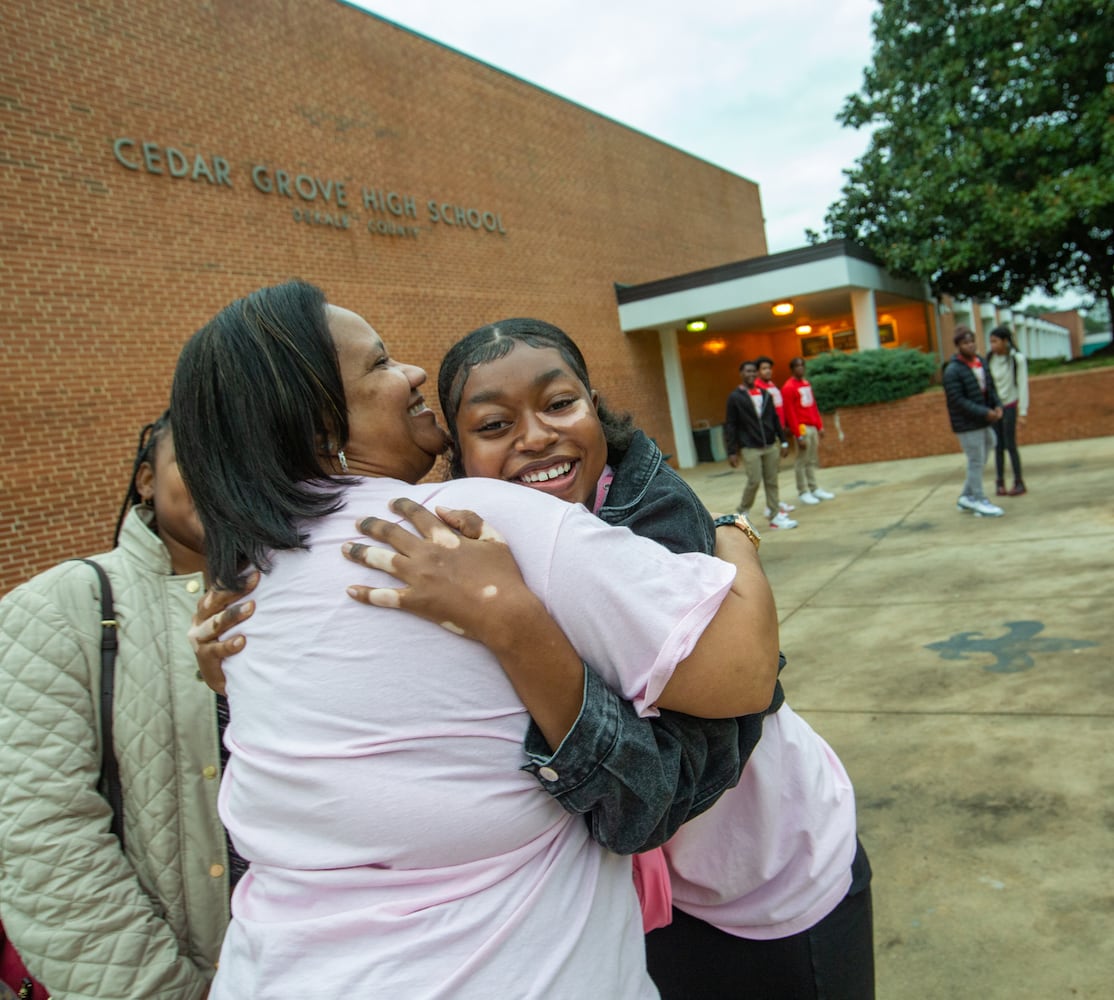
{"x":342,"y":459}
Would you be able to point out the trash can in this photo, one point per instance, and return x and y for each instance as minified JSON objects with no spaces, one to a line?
{"x":719,"y":447}
{"x":702,"y":438}
{"x":710,"y":446}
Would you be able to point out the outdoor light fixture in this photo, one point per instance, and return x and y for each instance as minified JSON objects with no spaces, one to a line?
{"x":783,"y":309}
{"x":696,"y":325}
{"x":804,"y":329}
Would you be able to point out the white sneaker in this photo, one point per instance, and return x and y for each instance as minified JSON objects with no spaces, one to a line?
{"x":782,"y":521}
{"x":823,"y":495}
{"x":965,"y":503}
{"x":808,"y":498}
{"x":984,"y":508}
{"x":786,"y":508}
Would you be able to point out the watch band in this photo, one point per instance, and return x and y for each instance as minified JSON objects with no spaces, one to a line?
{"x":740,"y":521}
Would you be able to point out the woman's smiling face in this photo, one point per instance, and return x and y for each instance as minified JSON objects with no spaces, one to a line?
{"x":527,"y":419}
{"x":391,"y":432}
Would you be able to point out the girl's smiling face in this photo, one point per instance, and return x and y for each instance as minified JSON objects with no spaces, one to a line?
{"x":526,"y":418}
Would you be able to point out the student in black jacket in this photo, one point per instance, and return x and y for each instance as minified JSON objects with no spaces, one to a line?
{"x":753,"y":426}
{"x":972,"y":407}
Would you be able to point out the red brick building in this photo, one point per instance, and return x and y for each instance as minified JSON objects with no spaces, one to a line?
{"x":161,"y":160}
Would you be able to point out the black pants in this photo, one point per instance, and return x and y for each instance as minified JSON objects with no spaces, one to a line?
{"x":1005,"y":439}
{"x":834,"y":960}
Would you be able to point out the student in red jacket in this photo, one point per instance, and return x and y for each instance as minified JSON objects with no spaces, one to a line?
{"x":802,"y":418}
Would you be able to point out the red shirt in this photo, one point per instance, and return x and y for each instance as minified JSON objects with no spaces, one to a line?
{"x":775,"y":395}
{"x":800,"y":406}
{"x":980,"y":373}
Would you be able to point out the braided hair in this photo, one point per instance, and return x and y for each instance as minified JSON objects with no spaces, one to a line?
{"x":149,"y":439}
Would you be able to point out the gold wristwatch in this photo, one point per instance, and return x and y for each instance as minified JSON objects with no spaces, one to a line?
{"x":740,"y":521}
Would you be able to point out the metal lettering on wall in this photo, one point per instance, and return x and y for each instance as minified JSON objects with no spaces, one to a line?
{"x":318,"y":201}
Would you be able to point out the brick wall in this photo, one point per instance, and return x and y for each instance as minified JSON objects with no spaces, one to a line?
{"x":108,"y":269}
{"x":1061,"y":408}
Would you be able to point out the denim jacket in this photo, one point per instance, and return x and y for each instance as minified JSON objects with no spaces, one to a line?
{"x":637,"y":780}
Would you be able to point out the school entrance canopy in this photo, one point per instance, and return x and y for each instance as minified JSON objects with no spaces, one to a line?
{"x":839,"y":297}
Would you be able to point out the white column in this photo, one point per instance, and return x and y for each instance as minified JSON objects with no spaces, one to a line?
{"x":866,"y":318}
{"x":678,"y":400}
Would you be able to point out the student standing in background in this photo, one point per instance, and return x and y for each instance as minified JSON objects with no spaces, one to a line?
{"x":752,"y":427}
{"x":766,"y":381}
{"x":1010,"y":372}
{"x":972,"y":408}
{"x":802,"y":417}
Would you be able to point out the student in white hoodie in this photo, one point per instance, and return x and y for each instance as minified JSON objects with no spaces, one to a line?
{"x":1010,"y":372}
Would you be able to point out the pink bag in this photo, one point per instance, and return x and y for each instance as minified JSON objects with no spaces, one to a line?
{"x":655,"y":893}
{"x":13,"y":973}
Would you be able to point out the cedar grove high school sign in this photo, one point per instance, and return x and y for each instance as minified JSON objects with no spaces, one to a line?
{"x":314,"y":201}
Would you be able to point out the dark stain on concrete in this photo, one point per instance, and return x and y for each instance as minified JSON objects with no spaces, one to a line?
{"x":1002,"y":806}
{"x":1013,"y":652}
{"x":881,"y":533}
{"x":1003,"y":817}
{"x":859,"y":484}
{"x":876,"y":802}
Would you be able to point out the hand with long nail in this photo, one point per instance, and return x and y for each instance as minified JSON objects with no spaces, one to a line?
{"x":217,"y":612}
{"x":454,"y":569}
{"x":460,"y":574}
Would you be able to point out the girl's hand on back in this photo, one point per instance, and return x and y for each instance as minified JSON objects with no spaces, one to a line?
{"x":216,"y":613}
{"x":459,"y":573}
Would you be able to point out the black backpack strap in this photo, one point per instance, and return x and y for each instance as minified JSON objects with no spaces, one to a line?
{"x":110,"y":769}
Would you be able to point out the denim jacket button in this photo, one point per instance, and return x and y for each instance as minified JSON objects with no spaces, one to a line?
{"x":547,"y":774}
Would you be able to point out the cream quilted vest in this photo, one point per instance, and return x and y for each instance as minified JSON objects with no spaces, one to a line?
{"x":89,"y":922}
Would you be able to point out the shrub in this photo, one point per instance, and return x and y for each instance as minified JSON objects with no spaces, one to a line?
{"x":876,"y":376}
{"x":1041,"y":366}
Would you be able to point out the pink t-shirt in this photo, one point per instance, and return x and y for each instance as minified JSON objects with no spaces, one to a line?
{"x":773,"y":856}
{"x":397,"y":848}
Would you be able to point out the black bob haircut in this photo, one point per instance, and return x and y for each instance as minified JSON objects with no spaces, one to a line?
{"x":497,"y":340}
{"x":256,"y":393}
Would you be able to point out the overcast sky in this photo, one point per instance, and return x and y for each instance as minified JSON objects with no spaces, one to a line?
{"x":750,"y":86}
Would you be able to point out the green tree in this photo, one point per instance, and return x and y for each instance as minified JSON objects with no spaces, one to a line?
{"x":1097,"y":319}
{"x":990,"y":170}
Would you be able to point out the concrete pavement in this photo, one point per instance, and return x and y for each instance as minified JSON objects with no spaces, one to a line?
{"x":961,"y":668}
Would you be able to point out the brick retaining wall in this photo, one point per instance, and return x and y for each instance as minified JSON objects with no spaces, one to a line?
{"x":1062,"y":407}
